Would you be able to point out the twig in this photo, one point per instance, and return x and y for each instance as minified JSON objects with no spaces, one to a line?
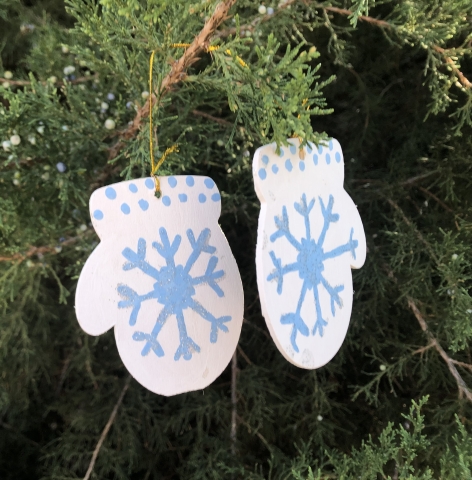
{"x":88,"y":367}
{"x":252,"y":430}
{"x":362,"y":18}
{"x":422,"y":349}
{"x":383,"y":24}
{"x":462,"y":364}
{"x":243,"y":354}
{"x":177,"y":72}
{"x":418,"y":178}
{"x":63,"y":374}
{"x":462,"y":78}
{"x":433,"y":196}
{"x":461,"y":385}
{"x":433,"y":342}
{"x":40,"y":250}
{"x":106,"y":429}
{"x":221,"y":121}
{"x":234,"y":402}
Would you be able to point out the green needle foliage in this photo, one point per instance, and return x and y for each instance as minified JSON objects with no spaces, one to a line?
{"x":391,"y":80}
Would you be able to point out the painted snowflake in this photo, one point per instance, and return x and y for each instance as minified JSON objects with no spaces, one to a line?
{"x":309,"y":265}
{"x":174,"y":289}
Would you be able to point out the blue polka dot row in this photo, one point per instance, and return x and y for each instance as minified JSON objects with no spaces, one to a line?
{"x":202,"y":198}
{"x":301,"y":165}
{"x":275,"y":169}
{"x":125,"y":208}
{"x":189,"y":180}
{"x":111,"y":194}
{"x":337,"y":157}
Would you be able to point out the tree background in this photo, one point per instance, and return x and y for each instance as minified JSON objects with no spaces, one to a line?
{"x":391,"y":81}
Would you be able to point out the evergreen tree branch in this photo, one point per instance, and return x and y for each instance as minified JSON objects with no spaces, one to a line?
{"x":243,"y":354}
{"x":177,"y":72}
{"x":41,"y":250}
{"x":23,"y":83}
{"x":221,"y":121}
{"x":106,"y":429}
{"x":461,"y":385}
{"x":434,"y":197}
{"x":251,"y":431}
{"x":362,"y":18}
{"x":383,"y":24}
{"x":462,"y":364}
{"x":462,"y":78}
{"x":261,"y":19}
{"x":12,"y":429}
{"x":258,"y":20}
{"x":417,"y":232}
{"x":418,"y":178}
{"x":433,"y":342}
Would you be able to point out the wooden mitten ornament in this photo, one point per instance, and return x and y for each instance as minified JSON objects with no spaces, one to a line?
{"x":309,"y":237}
{"x":164,"y":276}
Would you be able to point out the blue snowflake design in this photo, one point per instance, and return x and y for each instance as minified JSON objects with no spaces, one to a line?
{"x":309,"y":265}
{"x":174,"y":289}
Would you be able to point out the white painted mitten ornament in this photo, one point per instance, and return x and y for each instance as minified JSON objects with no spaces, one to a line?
{"x":164,"y":276}
{"x":309,"y":237}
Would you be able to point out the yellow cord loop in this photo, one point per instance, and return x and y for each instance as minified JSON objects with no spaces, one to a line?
{"x":155,"y":166}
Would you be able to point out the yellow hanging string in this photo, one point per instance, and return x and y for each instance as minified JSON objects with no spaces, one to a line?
{"x":155,"y":166}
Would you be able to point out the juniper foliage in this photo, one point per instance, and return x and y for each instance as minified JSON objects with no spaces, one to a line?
{"x":391,"y":81}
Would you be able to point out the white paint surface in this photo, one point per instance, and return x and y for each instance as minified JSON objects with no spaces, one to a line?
{"x":191,"y":205}
{"x":282,"y":180}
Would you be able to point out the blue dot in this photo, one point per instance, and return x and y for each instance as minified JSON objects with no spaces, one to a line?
{"x":302,"y":166}
{"x":216,"y":197}
{"x":288,"y":165}
{"x":125,"y":208}
{"x":133,"y":188}
{"x":98,"y":214}
{"x":281,"y":154}
{"x":337,"y":157}
{"x":262,"y":174}
{"x":190,"y":181}
{"x":144,"y":205}
{"x":328,"y":158}
{"x":149,"y":183}
{"x":183,"y":197}
{"x":166,"y":200}
{"x":330,"y":144}
{"x":315,"y":159}
{"x":309,"y":149}
{"x":320,"y":149}
{"x":110,"y":192}
{"x":209,"y":182}
{"x":275,"y":169}
{"x":172,"y":182}
{"x":265,"y":159}
{"x":202,"y":198}
{"x":293,"y":149}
